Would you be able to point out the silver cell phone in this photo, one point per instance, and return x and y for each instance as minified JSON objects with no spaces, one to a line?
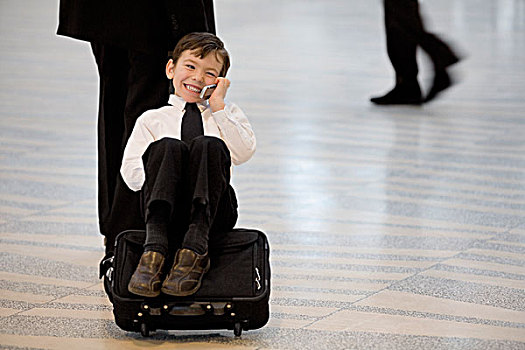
{"x":207,"y":91}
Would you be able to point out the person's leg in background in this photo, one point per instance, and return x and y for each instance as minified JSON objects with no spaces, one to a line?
{"x":409,"y":22}
{"x":400,"y":15}
{"x":442,"y":57}
{"x":130,"y":83}
{"x":404,"y":33}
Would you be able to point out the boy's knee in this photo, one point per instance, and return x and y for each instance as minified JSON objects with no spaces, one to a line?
{"x":165,"y":146}
{"x":210,"y":142}
{"x":168,"y":144}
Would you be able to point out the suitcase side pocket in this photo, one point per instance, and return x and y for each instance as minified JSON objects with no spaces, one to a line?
{"x":127,"y":256}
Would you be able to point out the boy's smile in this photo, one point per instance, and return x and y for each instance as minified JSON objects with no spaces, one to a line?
{"x":191,"y":73}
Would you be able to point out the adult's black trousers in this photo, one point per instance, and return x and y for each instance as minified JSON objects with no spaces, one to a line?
{"x":131,"y":82}
{"x":405,"y":31}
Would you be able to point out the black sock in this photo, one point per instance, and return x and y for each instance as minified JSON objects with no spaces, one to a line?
{"x":196,"y":237}
{"x":157,"y":228}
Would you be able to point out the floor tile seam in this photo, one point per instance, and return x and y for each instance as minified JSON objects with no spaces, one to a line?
{"x":403,"y":226}
{"x":61,"y":204}
{"x":480,"y":272}
{"x":306,"y":255}
{"x":53,"y":245}
{"x":469,"y":132}
{"x":451,"y":172}
{"x":385,"y":269}
{"x":405,"y":145}
{"x":28,"y":201}
{"x":425,"y":151}
{"x":62,"y":306}
{"x":512,"y":245}
{"x":369,"y":160}
{"x":48,"y":177}
{"x":84,"y":184}
{"x":514,"y":262}
{"x":473,"y":168}
{"x":465,"y":134}
{"x":351,"y":305}
{"x":482,"y":242}
{"x":43,"y":234}
{"x":321,"y":290}
{"x":52,"y":303}
{"x":438,"y":316}
{"x":454,"y":193}
{"x":341,"y":250}
{"x":363,"y":298}
{"x":292,"y":277}
{"x":344,"y":262}
{"x":73,"y":306}
{"x":460,"y":185}
{"x":306,"y":216}
{"x":52,"y":207}
{"x":289,"y":316}
{"x":462,"y":136}
{"x":519,"y":276}
{"x":398,"y":282}
{"x":456,"y":187}
{"x":463,"y":174}
{"x":442,"y":127}
{"x":464,"y":251}
{"x":45,"y":169}
{"x":516,"y":226}
{"x":444,"y":204}
{"x":503,"y":244}
{"x":58,"y":290}
{"x":456,"y":256}
{"x":448,"y":193}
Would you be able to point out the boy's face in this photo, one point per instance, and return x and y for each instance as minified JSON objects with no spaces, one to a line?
{"x":191,"y":73}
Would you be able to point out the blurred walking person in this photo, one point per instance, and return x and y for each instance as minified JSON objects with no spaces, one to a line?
{"x":405,"y":31}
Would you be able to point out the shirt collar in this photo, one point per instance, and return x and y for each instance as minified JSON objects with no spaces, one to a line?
{"x":179,"y":103}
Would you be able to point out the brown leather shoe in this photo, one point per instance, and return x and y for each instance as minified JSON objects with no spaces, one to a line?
{"x":186,"y":274}
{"x":146,"y":280}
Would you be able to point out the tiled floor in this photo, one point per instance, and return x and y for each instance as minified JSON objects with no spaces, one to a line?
{"x":390,"y":228}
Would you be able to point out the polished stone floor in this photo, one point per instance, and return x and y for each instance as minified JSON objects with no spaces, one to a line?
{"x":391,"y":228}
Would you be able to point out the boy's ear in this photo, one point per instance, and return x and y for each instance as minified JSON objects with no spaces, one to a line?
{"x":170,"y":68}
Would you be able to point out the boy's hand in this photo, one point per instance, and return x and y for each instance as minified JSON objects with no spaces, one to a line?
{"x":217,"y":97}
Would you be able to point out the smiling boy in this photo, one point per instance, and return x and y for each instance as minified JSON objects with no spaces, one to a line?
{"x":179,"y":157}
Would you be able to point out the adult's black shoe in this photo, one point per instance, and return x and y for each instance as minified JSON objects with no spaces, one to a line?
{"x":441,"y":82}
{"x":400,"y":95}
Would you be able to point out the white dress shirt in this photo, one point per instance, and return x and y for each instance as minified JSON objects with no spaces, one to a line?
{"x":229,"y":124}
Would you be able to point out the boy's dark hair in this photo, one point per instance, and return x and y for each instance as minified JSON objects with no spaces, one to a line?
{"x":204,"y":44}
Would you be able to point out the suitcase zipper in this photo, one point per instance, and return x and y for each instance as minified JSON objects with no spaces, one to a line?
{"x":258,"y":279}
{"x":256,"y":263}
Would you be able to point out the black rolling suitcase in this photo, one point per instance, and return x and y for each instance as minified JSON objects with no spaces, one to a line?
{"x":234,"y":293}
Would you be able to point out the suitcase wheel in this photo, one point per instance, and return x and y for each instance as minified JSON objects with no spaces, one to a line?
{"x":144,"y":330}
{"x":237,"y":329}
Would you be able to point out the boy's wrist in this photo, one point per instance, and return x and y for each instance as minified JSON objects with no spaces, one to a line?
{"x":217,"y":105}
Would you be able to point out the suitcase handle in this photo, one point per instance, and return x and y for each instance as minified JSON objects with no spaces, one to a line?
{"x":189,"y":309}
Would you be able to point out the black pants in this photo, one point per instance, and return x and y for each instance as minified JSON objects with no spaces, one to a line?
{"x":404,"y":32}
{"x":194,"y":180}
{"x":131,"y":83}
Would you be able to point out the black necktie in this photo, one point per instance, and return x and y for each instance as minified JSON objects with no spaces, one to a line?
{"x":191,"y":123}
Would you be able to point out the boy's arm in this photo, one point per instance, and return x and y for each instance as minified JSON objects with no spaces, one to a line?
{"x":236,"y":132}
{"x":132,"y":169}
